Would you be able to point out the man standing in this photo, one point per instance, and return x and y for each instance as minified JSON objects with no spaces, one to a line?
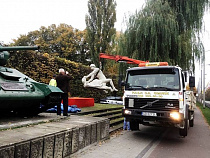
{"x":63,"y":83}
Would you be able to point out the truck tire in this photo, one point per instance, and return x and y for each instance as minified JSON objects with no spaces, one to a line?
{"x":134,"y":126}
{"x":191,"y":121}
{"x":183,"y":132}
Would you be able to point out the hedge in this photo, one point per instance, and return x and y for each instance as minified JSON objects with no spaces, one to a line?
{"x":41,"y":68}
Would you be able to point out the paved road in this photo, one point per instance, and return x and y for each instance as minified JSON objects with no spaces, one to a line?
{"x":155,"y":142}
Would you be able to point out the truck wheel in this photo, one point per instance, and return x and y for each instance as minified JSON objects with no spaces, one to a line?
{"x":183,"y":132}
{"x":134,"y":125}
{"x":191,"y":121}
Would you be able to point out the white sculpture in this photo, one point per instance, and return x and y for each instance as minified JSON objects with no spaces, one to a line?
{"x":98,"y":80}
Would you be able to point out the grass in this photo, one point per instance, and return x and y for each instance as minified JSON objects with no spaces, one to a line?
{"x":98,"y":106}
{"x":206,"y":111}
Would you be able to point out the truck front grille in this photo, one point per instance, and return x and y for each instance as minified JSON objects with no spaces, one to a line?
{"x":152,"y":104}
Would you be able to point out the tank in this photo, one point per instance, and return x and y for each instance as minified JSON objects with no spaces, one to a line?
{"x":20,"y":93}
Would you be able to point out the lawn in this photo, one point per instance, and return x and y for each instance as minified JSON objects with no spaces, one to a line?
{"x":206,"y":111}
{"x":98,"y":106}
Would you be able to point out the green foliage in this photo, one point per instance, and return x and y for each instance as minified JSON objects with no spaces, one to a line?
{"x":206,"y":112}
{"x":189,"y":13}
{"x":98,"y":106}
{"x":41,"y":68}
{"x":100,"y":27}
{"x":190,"y":19}
{"x":207,"y":94}
{"x":63,"y":41}
{"x":165,"y":30}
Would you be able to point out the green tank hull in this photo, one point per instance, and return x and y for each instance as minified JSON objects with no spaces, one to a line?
{"x":19,"y":93}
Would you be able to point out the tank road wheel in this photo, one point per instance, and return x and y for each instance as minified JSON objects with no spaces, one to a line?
{"x":134,"y":126}
{"x":183,"y":132}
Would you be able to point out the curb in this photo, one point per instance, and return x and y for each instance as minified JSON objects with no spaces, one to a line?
{"x":57,"y":139}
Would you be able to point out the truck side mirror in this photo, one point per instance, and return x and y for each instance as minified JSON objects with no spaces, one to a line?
{"x":192,"y":81}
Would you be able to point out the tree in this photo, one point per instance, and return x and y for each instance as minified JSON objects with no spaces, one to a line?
{"x":189,"y":15}
{"x":63,"y":41}
{"x":165,"y":30}
{"x":207,"y":94}
{"x":100,"y":27}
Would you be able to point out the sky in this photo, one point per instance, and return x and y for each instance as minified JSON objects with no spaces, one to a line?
{"x":22,"y":16}
{"x":18,"y":17}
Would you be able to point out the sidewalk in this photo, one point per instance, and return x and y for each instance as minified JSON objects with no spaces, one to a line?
{"x":59,"y":138}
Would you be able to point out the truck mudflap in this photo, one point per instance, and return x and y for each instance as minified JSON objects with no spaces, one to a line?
{"x":171,"y":117}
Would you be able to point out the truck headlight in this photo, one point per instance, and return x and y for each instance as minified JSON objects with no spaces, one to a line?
{"x":175,"y":115}
{"x":127,"y":112}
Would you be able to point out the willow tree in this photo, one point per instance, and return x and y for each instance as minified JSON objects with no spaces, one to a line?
{"x":100,"y":26}
{"x":165,"y":30}
{"x":190,"y":19}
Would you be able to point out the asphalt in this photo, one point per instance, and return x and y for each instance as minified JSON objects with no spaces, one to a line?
{"x":155,"y":142}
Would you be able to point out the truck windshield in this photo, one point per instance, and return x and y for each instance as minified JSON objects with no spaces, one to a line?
{"x":153,"y":79}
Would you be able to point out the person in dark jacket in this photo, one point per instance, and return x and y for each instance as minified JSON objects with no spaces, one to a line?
{"x":63,"y":83}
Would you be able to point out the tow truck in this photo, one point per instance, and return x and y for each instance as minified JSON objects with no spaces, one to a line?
{"x":156,"y":94}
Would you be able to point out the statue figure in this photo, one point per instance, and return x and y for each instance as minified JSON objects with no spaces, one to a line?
{"x":98,"y":80}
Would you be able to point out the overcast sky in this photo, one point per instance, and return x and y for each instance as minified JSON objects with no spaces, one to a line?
{"x":22,"y":16}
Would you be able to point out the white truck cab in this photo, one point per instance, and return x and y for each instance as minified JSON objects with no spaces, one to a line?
{"x":157,"y":96}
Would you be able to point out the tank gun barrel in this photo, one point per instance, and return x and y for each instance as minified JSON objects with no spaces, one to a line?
{"x":4,"y":54}
{"x":19,"y":48}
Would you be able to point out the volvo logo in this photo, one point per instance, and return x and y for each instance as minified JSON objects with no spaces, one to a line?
{"x":149,"y":104}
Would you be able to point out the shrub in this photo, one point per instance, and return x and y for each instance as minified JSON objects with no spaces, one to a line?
{"x":41,"y":68}
{"x":207,"y":94}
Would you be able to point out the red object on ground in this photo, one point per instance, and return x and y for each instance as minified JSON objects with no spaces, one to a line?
{"x":81,"y":102}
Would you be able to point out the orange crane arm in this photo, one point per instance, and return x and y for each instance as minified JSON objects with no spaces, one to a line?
{"x":119,"y":58}
{"x":127,"y":60}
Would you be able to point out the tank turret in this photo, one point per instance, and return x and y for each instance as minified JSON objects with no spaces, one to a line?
{"x":4,"y":54}
{"x":20,"y":93}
